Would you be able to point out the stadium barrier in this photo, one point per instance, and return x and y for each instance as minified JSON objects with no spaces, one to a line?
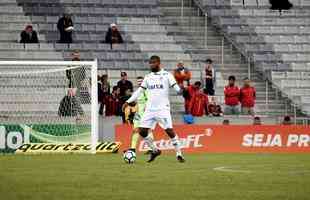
{"x":228,"y":138}
{"x":50,"y":138}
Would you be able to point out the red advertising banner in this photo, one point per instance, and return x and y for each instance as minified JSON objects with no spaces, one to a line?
{"x":227,"y":138}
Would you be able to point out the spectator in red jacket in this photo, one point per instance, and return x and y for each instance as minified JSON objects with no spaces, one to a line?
{"x":247,"y":98}
{"x":199,"y":104}
{"x":189,"y":93}
{"x":113,"y":104}
{"x":232,"y":95}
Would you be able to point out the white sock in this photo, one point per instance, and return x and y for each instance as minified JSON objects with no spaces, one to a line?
{"x":175,"y":142}
{"x":150,"y":142}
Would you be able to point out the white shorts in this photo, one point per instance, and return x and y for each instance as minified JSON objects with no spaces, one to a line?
{"x":150,"y":119}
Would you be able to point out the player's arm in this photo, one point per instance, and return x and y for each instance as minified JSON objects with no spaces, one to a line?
{"x":174,"y":85}
{"x":133,"y":97}
{"x":136,"y":94}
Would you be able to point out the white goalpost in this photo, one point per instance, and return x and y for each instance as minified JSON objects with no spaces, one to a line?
{"x":48,"y":106}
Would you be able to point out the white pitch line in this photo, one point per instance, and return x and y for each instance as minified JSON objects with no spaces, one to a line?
{"x":228,"y":169}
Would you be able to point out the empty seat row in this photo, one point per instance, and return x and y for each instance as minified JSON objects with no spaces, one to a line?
{"x":300,"y":66}
{"x":273,"y":39}
{"x":126,"y":47}
{"x":249,"y":3}
{"x":92,"y":11}
{"x":284,"y":84}
{"x":270,"y":30}
{"x":259,"y":13}
{"x":92,"y":2}
{"x":280,"y":75}
{"x":286,"y":57}
{"x":226,"y":21}
{"x":81,"y":27}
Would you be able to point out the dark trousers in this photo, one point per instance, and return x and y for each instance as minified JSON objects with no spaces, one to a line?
{"x":65,"y":37}
{"x":209,"y":89}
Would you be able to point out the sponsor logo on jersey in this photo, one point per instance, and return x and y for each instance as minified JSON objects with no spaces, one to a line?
{"x":156,"y":86}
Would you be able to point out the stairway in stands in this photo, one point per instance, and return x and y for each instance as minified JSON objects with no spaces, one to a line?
{"x":191,"y":28}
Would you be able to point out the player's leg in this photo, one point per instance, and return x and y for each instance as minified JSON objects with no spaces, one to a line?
{"x":149,"y":151}
{"x":148,"y":122}
{"x":176,"y":143}
{"x":148,"y":139}
{"x":134,"y":139}
{"x":166,"y":123}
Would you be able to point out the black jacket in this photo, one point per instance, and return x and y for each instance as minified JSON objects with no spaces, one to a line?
{"x":108,"y":37}
{"x":64,"y":23}
{"x":280,"y":4}
{"x":27,"y":38}
{"x":123,"y":86}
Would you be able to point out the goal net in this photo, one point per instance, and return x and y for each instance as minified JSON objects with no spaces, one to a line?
{"x":48,"y":106}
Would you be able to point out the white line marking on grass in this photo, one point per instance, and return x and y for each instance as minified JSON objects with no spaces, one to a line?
{"x":232,"y":170}
{"x":229,"y":169}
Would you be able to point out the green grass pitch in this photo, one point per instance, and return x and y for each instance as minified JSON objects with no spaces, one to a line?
{"x":203,"y":176}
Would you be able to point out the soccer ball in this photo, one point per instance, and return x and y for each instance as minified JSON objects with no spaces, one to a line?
{"x":129,"y":157}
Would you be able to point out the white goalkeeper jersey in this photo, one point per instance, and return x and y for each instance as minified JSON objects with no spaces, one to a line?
{"x":158,"y":85}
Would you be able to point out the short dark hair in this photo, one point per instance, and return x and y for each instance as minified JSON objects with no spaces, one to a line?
{"x":287,"y":118}
{"x":114,"y":88}
{"x":232,"y":78}
{"x":209,"y":61}
{"x":123,"y":74}
{"x":256,"y":118}
{"x":155,"y":57}
{"x":226,"y":121}
{"x":197,"y":83}
{"x":140,"y":77}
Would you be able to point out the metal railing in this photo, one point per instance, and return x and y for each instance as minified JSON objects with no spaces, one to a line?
{"x":227,"y":39}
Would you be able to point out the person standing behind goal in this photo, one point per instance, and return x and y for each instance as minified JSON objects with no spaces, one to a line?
{"x":157,"y":109}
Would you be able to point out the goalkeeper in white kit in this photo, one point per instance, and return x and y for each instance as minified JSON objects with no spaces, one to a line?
{"x":157,"y":109}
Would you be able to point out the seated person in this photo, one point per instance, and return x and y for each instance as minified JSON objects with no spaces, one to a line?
{"x":199,"y":104}
{"x":257,"y":121}
{"x":226,"y":122}
{"x":182,"y":74}
{"x":29,"y":35}
{"x":113,"y":36}
{"x":287,"y":120}
{"x":214,"y":109}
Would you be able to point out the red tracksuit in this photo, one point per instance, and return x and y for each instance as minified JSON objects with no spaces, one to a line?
{"x":112,"y":105}
{"x":198,"y":104}
{"x":232,"y":95}
{"x":191,"y":91}
{"x":247,"y":97}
